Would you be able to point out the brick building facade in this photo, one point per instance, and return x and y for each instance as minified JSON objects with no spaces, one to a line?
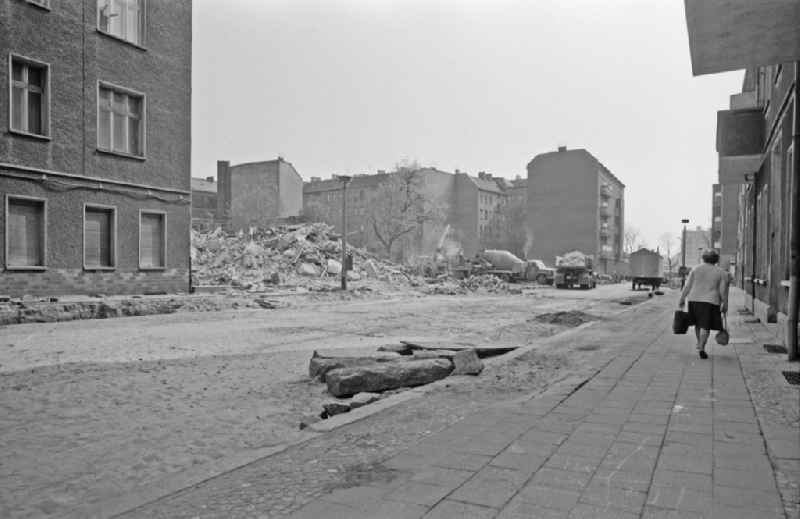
{"x":469,"y":204}
{"x":575,"y":203}
{"x":95,"y":146}
{"x":259,"y":194}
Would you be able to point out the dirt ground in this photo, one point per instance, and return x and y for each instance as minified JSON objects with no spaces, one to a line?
{"x":92,"y":409}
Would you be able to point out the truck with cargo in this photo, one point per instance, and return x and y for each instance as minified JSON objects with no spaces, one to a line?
{"x":574,"y":269}
{"x":645,"y":267}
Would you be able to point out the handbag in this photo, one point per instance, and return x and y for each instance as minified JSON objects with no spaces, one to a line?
{"x":723,"y":337}
{"x":680,"y":322}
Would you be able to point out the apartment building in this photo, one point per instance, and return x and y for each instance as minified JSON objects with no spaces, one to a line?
{"x":258,"y":194}
{"x":574,"y":202}
{"x":469,"y":205}
{"x":724,"y":224}
{"x":697,"y":240}
{"x":95,"y":111}
{"x":756,"y":157}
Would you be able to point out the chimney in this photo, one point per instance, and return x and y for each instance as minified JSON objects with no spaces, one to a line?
{"x":224,"y":193}
{"x":209,"y":179}
{"x":562,"y":149}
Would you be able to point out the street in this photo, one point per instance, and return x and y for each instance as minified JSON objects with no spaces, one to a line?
{"x":94,"y":409}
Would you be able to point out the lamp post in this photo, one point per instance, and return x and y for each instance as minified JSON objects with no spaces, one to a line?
{"x":345,"y":179}
{"x":683,"y":252}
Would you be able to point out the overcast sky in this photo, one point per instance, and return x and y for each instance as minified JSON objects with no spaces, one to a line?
{"x":352,"y":86}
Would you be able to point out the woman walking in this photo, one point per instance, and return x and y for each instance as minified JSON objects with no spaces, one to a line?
{"x":707,"y":292}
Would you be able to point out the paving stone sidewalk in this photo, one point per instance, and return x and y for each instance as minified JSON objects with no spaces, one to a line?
{"x":657,"y":433}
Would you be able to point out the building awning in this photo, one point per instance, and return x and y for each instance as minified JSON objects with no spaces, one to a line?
{"x":732,"y":170}
{"x":729,"y":35}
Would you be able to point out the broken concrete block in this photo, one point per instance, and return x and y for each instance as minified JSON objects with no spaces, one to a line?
{"x":334,"y":408}
{"x":353,"y":276}
{"x":319,"y":366}
{"x":334,"y":267}
{"x":386,"y":375}
{"x":307,"y":269}
{"x":434,"y":354}
{"x":466,"y":362}
{"x":362,"y":399}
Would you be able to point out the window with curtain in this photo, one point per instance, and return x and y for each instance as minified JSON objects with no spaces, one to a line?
{"x":98,"y":238}
{"x":29,"y":97}
{"x":122,"y":18}
{"x":25,"y":236}
{"x":152,"y":240}
{"x":119,"y":126}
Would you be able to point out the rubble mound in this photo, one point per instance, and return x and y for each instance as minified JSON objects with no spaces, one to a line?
{"x":305,"y":255}
{"x":479,"y":283}
{"x":571,"y":318}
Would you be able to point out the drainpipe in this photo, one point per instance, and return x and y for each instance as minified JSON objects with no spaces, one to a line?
{"x":794,"y":278}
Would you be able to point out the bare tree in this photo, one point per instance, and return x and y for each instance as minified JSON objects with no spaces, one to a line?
{"x":632,"y":239}
{"x":398,"y":207}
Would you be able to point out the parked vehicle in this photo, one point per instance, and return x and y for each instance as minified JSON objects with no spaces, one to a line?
{"x":537,"y":271}
{"x":501,"y":263}
{"x":568,"y":277}
{"x":645,"y":269}
{"x":574,"y":269}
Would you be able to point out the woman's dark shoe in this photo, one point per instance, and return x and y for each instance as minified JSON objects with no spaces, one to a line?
{"x":703,"y":354}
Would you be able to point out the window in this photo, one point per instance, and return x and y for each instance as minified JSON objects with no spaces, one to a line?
{"x":120,"y":121}
{"x":99,"y":234}
{"x":29,"y":97}
{"x":122,"y":18}
{"x":152,"y":240}
{"x":25,"y":233}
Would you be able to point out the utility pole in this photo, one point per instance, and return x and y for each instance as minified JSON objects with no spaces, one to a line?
{"x":683,"y":253}
{"x":345,"y":179}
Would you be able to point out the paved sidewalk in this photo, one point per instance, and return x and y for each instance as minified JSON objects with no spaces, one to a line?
{"x":658,"y":433}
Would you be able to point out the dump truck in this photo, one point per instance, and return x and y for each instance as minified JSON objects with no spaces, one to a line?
{"x":574,"y":269}
{"x":645,"y":269}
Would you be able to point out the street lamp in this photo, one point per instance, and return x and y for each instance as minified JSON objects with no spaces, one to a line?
{"x":344,"y":179}
{"x":683,"y":252}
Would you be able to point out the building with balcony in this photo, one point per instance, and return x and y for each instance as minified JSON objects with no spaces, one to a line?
{"x":756,"y":168}
{"x":574,"y":202}
{"x":95,"y":147}
{"x":724,"y":224}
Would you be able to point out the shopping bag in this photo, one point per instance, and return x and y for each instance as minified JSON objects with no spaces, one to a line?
{"x":723,"y":337}
{"x":680,"y":323}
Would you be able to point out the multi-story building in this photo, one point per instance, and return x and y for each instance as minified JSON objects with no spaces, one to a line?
{"x":756,"y":159}
{"x":575,"y":203}
{"x":95,"y":146}
{"x":469,"y":206}
{"x":724,"y":224}
{"x":258,"y":194}
{"x":697,"y":240}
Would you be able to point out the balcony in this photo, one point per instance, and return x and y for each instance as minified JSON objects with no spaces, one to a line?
{"x":605,"y":191}
{"x":604,"y":230}
{"x":605,"y":210}
{"x":740,"y":140}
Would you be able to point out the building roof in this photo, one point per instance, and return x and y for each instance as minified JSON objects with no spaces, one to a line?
{"x":206,"y":186}
{"x":579,"y":151}
{"x":485,"y":184}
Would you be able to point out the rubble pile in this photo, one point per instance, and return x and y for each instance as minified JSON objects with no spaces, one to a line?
{"x":300,"y":255}
{"x":488,"y":283}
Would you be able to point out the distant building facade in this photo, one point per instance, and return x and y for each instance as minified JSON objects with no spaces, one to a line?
{"x":757,"y":159}
{"x":575,"y":203}
{"x":95,"y":147}
{"x":469,"y":205}
{"x":724,"y":224}
{"x":697,"y":240}
{"x":258,"y":194}
{"x":204,"y":203}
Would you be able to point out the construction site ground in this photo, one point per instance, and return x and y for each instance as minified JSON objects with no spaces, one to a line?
{"x":97,"y":410}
